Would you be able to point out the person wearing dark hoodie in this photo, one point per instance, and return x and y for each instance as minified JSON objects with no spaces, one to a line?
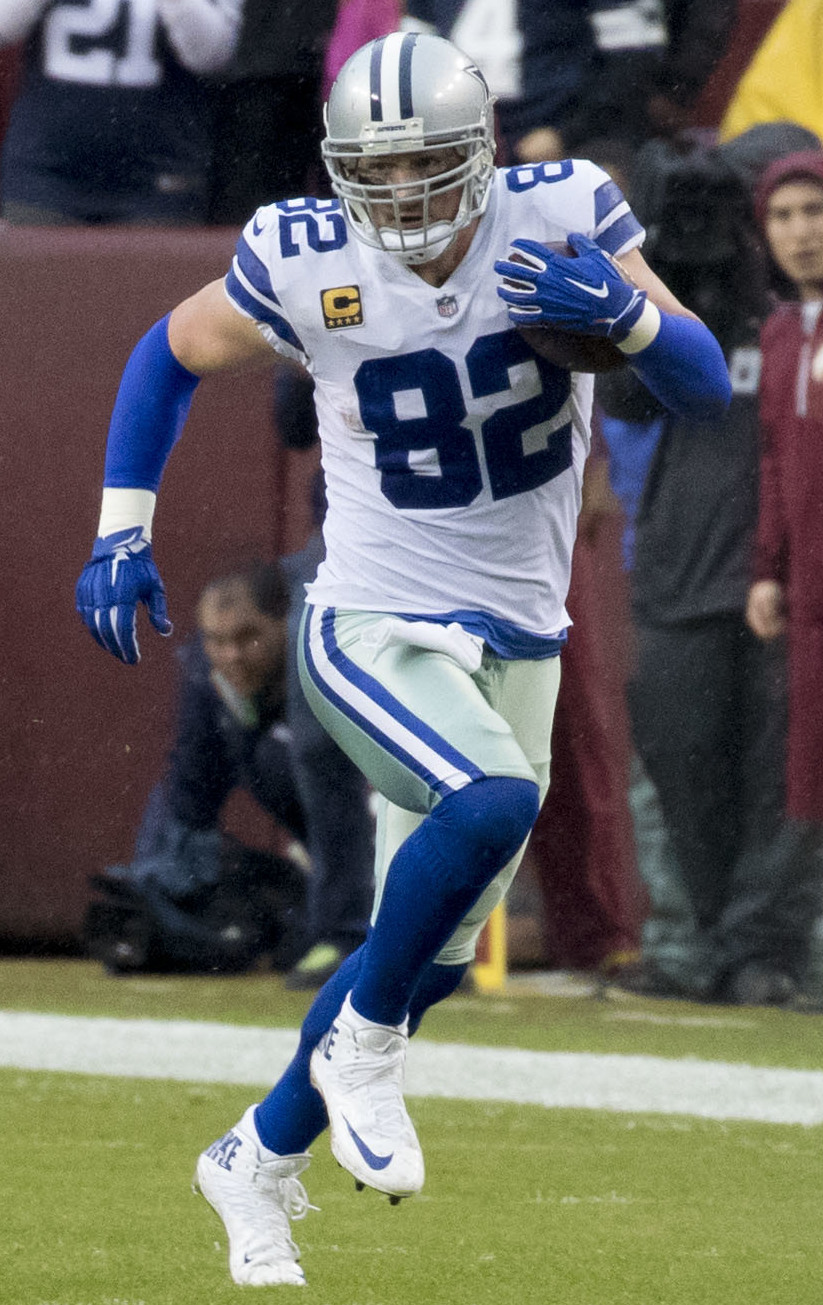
{"x":744,"y":872}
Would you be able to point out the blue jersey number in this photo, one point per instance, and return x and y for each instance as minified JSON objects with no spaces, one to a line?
{"x":320,"y":220}
{"x":525,"y":176}
{"x":428,"y":458}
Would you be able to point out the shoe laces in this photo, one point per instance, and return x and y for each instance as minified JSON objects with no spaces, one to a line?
{"x":265,"y":1205}
{"x":285,"y":1188}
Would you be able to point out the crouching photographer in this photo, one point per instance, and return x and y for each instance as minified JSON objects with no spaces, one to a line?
{"x":194,"y":897}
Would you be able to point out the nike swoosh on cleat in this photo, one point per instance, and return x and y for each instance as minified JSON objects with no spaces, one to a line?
{"x":590,"y":289}
{"x":372,"y":1160}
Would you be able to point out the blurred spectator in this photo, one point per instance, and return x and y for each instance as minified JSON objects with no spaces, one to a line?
{"x":111,"y":120}
{"x":753,"y":150}
{"x":671,"y":944}
{"x":652,"y":60}
{"x":784,"y":80}
{"x":267,"y":109}
{"x":787,"y":593}
{"x":750,"y":154}
{"x":333,"y":790}
{"x":357,"y":23}
{"x":567,"y":72}
{"x":581,"y":843}
{"x":243,"y":724}
{"x":668,"y":928}
{"x":706,"y":699}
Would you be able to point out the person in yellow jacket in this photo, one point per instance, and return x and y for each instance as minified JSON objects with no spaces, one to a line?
{"x":784,"y":81}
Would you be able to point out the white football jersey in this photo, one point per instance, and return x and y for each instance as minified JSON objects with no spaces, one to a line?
{"x":453,"y":455}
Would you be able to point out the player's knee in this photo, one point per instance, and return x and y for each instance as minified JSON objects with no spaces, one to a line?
{"x":516,"y":805}
{"x":496,"y":814}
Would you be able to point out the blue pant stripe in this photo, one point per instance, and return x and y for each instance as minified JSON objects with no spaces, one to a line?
{"x":389,"y":708}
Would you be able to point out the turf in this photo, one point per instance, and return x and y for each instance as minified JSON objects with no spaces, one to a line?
{"x":521,"y":1204}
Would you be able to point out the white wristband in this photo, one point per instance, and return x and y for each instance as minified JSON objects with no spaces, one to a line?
{"x":644,"y":330}
{"x":123,"y":509}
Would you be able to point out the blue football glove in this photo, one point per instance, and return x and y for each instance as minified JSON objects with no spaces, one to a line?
{"x":585,"y":294}
{"x":120,"y":575}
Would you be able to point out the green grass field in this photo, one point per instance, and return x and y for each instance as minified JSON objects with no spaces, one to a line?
{"x":521,"y":1204}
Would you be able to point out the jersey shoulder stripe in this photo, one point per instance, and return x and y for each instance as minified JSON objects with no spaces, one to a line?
{"x":248,"y":285}
{"x":573,"y":195}
{"x":624,"y":233}
{"x":607,"y":197}
{"x":255,"y":272}
{"x":615,"y":225}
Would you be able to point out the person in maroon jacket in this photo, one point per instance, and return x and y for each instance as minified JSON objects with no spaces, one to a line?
{"x":786,"y":596}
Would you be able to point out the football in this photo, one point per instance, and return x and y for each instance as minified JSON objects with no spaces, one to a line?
{"x":571,"y":350}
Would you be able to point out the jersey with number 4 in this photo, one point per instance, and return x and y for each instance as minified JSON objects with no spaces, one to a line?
{"x":453,"y":455}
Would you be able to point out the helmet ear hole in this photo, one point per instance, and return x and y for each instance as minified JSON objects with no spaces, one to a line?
{"x":409,"y":94}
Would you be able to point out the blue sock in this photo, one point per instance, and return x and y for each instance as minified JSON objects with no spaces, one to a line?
{"x":434,"y":878}
{"x":437,"y":874}
{"x":293,"y":1115}
{"x":436,"y":983}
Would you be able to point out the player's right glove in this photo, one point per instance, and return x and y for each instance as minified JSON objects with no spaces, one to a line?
{"x":586,"y":293}
{"x":119,"y":575}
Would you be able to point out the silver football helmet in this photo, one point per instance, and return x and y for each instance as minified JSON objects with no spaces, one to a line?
{"x":409,"y":93}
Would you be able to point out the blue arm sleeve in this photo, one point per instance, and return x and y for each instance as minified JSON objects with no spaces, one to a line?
{"x":685,"y":369}
{"x":149,"y":412}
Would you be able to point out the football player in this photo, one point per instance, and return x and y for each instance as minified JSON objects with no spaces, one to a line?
{"x":453,"y":457}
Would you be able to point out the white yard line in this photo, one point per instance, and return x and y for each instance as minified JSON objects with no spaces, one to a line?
{"x":224,"y":1053}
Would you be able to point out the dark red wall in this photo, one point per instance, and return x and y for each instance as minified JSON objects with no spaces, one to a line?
{"x":83,"y":737}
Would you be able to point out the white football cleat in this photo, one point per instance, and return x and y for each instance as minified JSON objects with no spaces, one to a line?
{"x":357,"y":1067}
{"x":255,"y":1193}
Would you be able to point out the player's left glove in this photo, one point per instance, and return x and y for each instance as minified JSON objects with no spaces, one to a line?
{"x":119,"y":575}
{"x":585,"y":294}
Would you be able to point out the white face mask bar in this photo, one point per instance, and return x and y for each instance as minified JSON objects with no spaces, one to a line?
{"x":380,"y":212}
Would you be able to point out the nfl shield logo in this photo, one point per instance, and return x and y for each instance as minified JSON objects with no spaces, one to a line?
{"x":447,"y":306}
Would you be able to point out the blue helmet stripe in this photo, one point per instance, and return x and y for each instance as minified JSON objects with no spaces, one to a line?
{"x":374,"y":80}
{"x":404,"y":75}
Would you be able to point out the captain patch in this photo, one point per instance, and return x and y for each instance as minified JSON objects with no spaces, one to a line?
{"x":342,"y":306}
